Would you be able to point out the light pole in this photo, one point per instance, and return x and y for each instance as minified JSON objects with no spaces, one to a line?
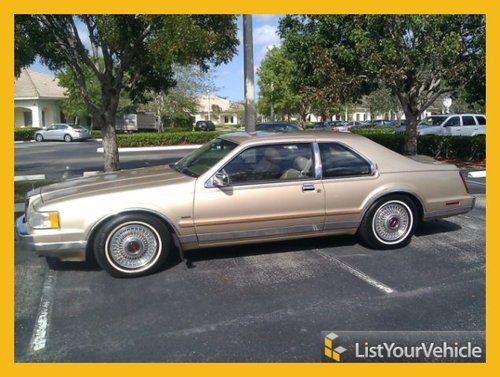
{"x":248,"y":73}
{"x":208,"y":98}
{"x":272,"y":101}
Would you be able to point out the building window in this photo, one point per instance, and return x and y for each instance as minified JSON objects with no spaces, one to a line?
{"x":28,"y":118}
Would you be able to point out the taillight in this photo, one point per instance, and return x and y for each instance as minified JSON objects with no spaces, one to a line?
{"x":465,"y":183}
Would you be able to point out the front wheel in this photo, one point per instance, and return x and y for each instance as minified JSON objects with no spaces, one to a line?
{"x":389,"y":223}
{"x":132,"y":245}
{"x":39,"y":138}
{"x":68,"y":138}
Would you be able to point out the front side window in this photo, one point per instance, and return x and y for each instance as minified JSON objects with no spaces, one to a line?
{"x":339,"y":161}
{"x":435,"y":120}
{"x":453,"y":122}
{"x":271,"y":163}
{"x":198,"y":162}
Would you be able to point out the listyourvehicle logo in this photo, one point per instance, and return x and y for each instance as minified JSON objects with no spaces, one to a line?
{"x":403,"y":346}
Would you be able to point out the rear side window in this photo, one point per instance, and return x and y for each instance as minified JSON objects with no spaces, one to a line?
{"x":481,"y":120}
{"x":468,"y":120}
{"x":340,"y":161}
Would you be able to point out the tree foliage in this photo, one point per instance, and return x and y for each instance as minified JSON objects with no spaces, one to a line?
{"x":418,"y":57}
{"x":276,"y":73}
{"x":138,"y":53}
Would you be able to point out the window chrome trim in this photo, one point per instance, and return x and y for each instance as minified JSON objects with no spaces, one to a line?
{"x":318,"y":165}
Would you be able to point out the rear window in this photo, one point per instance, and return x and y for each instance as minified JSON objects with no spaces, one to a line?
{"x":339,"y":161}
{"x":481,"y":120}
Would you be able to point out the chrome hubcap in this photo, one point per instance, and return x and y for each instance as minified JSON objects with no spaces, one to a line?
{"x":392,"y":222}
{"x":133,"y":246}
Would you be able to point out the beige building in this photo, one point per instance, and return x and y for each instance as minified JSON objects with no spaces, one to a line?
{"x":37,"y":99}
{"x":217,"y":109}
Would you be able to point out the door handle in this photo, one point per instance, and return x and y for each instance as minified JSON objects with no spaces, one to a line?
{"x":308,"y":187}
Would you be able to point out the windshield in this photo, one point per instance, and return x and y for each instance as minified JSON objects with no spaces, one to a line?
{"x":198,"y":162}
{"x":433,"y":121}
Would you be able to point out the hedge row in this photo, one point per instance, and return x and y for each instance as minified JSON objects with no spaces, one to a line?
{"x":24,"y":134}
{"x":447,"y":147}
{"x":166,"y":138}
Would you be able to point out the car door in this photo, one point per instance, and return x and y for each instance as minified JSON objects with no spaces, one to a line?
{"x":271,"y":192}
{"x":469,"y":125}
{"x":50,"y":133}
{"x":452,"y":126}
{"x":59,"y":132}
{"x":348,"y":179}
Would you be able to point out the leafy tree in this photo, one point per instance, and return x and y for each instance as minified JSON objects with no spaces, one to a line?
{"x":138,"y":53}
{"x":74,"y":105}
{"x":275,"y":82}
{"x":381,"y":102}
{"x":178,"y":103}
{"x":418,"y":57}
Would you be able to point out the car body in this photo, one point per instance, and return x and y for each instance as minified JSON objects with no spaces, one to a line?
{"x":204,"y":125}
{"x":324,"y":126}
{"x":383,"y":123}
{"x":242,"y":188}
{"x":277,"y":127}
{"x":450,"y":125}
{"x":62,"y":131}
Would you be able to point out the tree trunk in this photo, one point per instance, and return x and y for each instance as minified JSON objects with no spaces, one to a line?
{"x":109,"y":143}
{"x":411,"y":133}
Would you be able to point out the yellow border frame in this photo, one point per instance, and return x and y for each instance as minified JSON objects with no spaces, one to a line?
{"x":10,"y":7}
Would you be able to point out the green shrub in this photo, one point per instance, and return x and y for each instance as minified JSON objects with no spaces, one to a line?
{"x":24,"y":134}
{"x":165,"y":138}
{"x":372,"y":131}
{"x":447,"y":147}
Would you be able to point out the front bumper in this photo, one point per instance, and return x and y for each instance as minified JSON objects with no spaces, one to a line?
{"x":67,"y":251}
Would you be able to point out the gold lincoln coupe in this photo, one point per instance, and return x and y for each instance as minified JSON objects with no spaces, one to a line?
{"x":242,"y":188}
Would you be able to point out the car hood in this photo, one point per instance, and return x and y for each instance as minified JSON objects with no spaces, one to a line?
{"x":113,"y":182}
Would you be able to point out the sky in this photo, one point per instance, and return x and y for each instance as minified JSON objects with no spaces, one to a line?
{"x":228,"y":77}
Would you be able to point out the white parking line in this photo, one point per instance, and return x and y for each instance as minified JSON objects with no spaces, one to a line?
{"x":360,"y":275}
{"x":41,"y":329}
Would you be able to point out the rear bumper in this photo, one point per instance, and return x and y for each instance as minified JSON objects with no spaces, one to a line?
{"x":68,"y":251}
{"x":451,"y":211}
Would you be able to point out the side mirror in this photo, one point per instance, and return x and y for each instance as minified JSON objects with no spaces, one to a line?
{"x":221,"y":179}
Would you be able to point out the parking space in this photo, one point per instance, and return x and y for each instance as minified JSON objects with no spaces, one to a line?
{"x":266,"y":302}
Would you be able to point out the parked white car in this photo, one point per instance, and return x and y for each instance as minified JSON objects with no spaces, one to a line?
{"x":451,"y":125}
{"x":62,"y":131}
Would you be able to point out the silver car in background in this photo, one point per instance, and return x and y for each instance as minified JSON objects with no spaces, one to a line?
{"x":450,"y":125}
{"x":62,"y":131}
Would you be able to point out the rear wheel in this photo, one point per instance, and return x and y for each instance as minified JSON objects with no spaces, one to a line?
{"x":39,"y":138}
{"x":389,"y":223}
{"x":132,"y":245}
{"x":68,"y":138}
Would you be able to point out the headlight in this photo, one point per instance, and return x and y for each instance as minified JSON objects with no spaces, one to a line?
{"x":44,"y":220}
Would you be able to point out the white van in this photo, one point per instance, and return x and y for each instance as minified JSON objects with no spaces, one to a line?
{"x":453,"y":125}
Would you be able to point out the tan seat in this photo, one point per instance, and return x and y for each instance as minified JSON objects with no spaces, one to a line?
{"x":301,"y":168}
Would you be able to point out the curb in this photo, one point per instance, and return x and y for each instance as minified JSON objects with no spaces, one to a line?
{"x":21,"y":178}
{"x":153,"y":149}
{"x":480,"y":201}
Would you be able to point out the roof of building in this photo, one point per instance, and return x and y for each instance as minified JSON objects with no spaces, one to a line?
{"x":223,"y":103}
{"x":32,"y":84}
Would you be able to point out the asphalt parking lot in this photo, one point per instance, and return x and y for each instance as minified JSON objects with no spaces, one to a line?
{"x":265,"y":302}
